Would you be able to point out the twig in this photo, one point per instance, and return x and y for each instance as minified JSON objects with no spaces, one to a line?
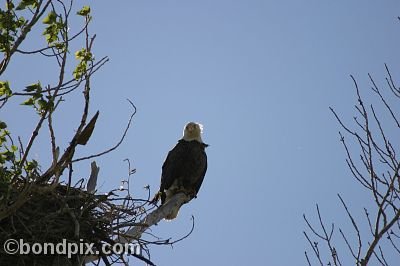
{"x":115,"y":146}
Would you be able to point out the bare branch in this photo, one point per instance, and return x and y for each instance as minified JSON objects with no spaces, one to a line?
{"x":119,"y":142}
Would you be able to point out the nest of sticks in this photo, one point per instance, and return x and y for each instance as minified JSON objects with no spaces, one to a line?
{"x":50,"y":213}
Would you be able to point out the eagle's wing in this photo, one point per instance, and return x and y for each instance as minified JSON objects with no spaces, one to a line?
{"x":173,"y":159}
{"x":203,"y":163}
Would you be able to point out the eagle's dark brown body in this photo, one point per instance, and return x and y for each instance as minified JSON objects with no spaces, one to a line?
{"x":184,"y":169}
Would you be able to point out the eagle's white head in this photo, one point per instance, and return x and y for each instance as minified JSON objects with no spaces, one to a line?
{"x":192,"y":131}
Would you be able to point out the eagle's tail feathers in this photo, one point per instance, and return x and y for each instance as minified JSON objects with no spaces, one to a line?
{"x":172,"y":215}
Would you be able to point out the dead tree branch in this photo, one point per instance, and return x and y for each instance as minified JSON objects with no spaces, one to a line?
{"x":376,"y":169}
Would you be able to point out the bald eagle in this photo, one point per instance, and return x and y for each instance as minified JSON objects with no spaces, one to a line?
{"x":184,"y":168}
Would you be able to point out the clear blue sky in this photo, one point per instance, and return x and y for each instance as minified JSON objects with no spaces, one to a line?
{"x":260,"y":76}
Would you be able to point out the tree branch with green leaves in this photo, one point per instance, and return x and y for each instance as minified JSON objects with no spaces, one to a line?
{"x":42,"y":201}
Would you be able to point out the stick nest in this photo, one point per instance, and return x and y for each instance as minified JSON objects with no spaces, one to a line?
{"x":50,"y":213}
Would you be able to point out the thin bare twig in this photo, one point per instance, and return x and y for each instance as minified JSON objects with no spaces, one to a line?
{"x":119,"y":142}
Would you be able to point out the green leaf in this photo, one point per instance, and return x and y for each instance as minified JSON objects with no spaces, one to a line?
{"x":2,"y":159}
{"x":21,"y":22}
{"x":31,"y":165}
{"x":80,"y":70}
{"x":80,"y":54}
{"x":2,"y":139}
{"x":9,"y":156}
{"x":51,"y":33}
{"x":30,"y":101}
{"x":83,"y":55}
{"x":60,"y":46}
{"x":5,"y":88}
{"x":34,"y":87}
{"x":51,"y":18}
{"x":9,"y":5}
{"x":3,"y":125}
{"x":84,"y":11}
{"x":24,"y":3}
{"x":42,"y":104}
{"x":14,"y":148}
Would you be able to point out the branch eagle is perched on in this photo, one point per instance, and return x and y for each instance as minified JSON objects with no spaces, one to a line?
{"x":184,"y":168}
